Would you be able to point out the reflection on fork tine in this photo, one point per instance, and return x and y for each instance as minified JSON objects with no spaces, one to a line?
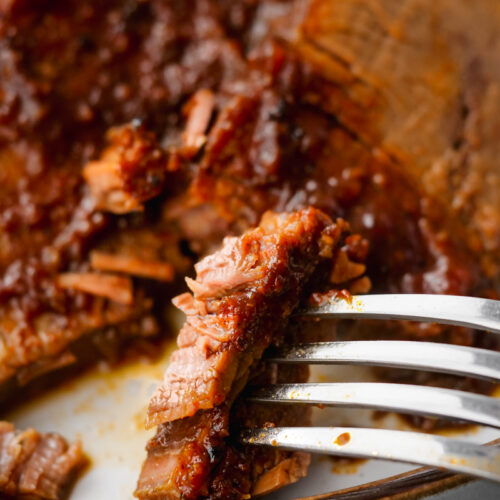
{"x":430,"y":356}
{"x":399,"y":446}
{"x":472,"y":312}
{"x":414,"y":399}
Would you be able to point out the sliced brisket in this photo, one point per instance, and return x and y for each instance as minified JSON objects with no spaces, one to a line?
{"x":34,"y":465}
{"x":241,"y":300}
{"x":381,"y":113}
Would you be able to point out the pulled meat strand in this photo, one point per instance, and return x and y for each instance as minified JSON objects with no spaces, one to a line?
{"x":130,"y":171}
{"x":199,"y":111}
{"x":116,"y":288}
{"x":129,"y":264}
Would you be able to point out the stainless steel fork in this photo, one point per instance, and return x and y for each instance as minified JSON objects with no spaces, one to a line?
{"x":403,"y":446}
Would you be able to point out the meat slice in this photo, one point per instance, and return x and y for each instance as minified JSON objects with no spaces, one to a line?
{"x":240,"y":303}
{"x":250,"y":282}
{"x":34,"y":465}
{"x":53,"y":338}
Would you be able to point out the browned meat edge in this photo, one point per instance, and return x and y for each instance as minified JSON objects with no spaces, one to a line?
{"x":242,"y":297}
{"x":36,"y":465}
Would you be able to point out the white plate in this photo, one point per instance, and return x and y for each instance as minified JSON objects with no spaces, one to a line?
{"x":106,"y":409}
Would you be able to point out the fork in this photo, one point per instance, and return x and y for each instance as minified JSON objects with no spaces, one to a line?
{"x":400,"y":446}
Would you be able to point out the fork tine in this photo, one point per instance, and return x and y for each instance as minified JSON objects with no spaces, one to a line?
{"x":413,"y":399}
{"x":399,"y":446}
{"x":472,"y":312}
{"x":444,"y":358}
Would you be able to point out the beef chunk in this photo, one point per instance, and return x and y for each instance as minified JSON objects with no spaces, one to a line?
{"x":250,"y":282}
{"x":130,"y":170}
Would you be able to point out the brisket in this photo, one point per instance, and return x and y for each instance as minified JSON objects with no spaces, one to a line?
{"x":71,"y":74}
{"x":135,"y":135}
{"x":36,"y":466}
{"x":419,"y":81}
{"x":241,"y":300}
{"x":131,"y":170}
{"x":307,"y":157}
{"x":323,"y":117}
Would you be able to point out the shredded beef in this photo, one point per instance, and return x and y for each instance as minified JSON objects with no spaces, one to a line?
{"x":131,"y":170}
{"x":253,"y":105}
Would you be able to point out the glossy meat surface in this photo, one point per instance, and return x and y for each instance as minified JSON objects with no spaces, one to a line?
{"x":68,"y":72}
{"x":252,"y":106}
{"x":241,"y":301}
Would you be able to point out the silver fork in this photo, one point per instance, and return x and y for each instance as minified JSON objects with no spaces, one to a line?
{"x":401,"y":446}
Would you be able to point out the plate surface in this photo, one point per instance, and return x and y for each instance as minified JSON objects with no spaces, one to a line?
{"x":106,"y":410}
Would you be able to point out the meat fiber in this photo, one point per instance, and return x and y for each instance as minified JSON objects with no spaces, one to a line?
{"x":36,"y":466}
{"x":257,"y":106}
{"x":252,"y":281}
{"x":241,"y":300}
